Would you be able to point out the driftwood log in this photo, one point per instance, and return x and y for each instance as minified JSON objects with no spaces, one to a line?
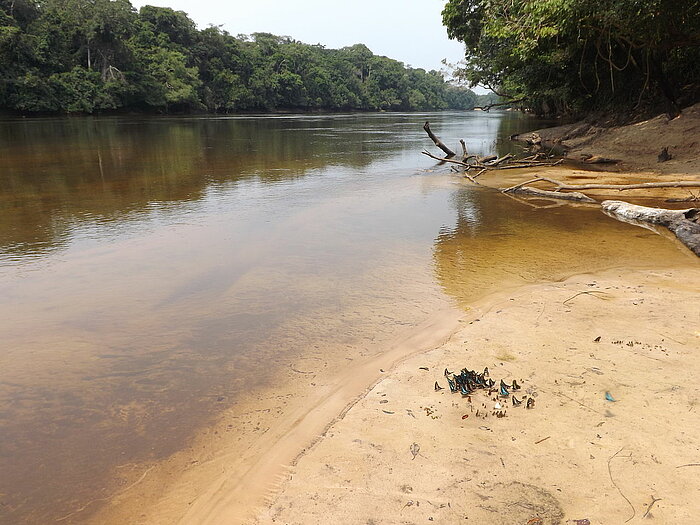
{"x":685,"y":224}
{"x":559,"y":186}
{"x":438,"y":142}
{"x":545,"y":194}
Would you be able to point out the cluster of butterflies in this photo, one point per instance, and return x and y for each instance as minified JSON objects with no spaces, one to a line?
{"x":469,"y":381}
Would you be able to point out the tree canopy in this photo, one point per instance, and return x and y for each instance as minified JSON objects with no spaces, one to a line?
{"x":573,"y":56}
{"x":92,"y":55}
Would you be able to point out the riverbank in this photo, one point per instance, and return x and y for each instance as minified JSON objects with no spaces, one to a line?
{"x":610,"y":360}
{"x":244,"y":461}
{"x":636,"y":146}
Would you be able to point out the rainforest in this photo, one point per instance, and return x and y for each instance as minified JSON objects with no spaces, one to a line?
{"x":87,"y":56}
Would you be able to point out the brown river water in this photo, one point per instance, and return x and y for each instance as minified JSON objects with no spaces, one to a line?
{"x":152,"y":270}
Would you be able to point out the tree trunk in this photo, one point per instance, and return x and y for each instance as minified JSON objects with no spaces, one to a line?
{"x":535,"y":192}
{"x":685,"y":224}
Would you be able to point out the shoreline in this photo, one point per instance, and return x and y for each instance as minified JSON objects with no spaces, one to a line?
{"x":255,"y":475}
{"x":222,"y":478}
{"x":549,"y":463}
{"x":227,"y":474}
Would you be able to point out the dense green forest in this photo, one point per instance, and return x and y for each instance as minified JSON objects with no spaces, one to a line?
{"x":576,"y":56}
{"x":93,"y":55}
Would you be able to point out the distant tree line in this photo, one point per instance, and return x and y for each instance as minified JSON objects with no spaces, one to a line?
{"x":577,"y":56}
{"x":92,"y":55}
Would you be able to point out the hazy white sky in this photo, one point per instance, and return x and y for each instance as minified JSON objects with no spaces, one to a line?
{"x":407,"y":30}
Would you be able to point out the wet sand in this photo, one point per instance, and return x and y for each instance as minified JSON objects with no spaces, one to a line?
{"x":231,"y":468}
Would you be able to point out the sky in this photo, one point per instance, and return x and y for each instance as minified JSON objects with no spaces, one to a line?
{"x":407,"y":30}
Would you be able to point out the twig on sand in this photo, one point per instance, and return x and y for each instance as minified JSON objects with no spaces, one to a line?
{"x":541,"y":440}
{"x":634,"y":512}
{"x":577,"y":401}
{"x":587,"y":292}
{"x":653,"y":500}
{"x":689,"y":465}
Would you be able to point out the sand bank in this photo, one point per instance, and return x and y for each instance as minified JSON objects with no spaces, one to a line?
{"x":235,"y":466}
{"x":634,"y":334}
{"x":332,"y":444}
{"x":338,"y":448}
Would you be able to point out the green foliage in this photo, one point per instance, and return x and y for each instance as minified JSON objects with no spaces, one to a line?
{"x":83,"y":56}
{"x":569,"y":56}
{"x":80,"y":90}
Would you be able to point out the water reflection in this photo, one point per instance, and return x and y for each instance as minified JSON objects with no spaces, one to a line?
{"x":56,"y":172}
{"x":497,"y":241}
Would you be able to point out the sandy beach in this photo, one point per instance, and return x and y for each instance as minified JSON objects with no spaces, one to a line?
{"x":575,"y":455}
{"x":608,"y":358}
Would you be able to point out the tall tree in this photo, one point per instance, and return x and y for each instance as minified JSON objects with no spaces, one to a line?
{"x":563,"y":56}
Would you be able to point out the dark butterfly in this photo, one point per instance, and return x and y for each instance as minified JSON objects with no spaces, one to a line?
{"x":503,"y":390}
{"x":452,"y":384}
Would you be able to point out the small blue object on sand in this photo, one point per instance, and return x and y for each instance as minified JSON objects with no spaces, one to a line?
{"x":609,"y":397}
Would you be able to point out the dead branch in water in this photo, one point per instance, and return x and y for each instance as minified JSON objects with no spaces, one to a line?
{"x":459,"y":162}
{"x":559,"y":186}
{"x":465,"y":153}
{"x":493,"y":165}
{"x":437,"y":141}
{"x":489,"y":162}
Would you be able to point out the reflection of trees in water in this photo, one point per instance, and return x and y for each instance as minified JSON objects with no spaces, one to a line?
{"x":462,"y":254}
{"x":59,"y":172}
{"x":497,"y":241}
{"x":511,"y":123}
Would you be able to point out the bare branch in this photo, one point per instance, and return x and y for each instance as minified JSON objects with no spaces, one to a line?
{"x":437,"y":141}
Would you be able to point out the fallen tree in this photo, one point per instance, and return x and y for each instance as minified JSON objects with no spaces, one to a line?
{"x":685,"y":224}
{"x":559,"y":186}
{"x":536,"y":192}
{"x":490,"y":162}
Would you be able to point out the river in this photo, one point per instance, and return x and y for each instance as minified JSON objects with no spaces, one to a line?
{"x":152,"y":270}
